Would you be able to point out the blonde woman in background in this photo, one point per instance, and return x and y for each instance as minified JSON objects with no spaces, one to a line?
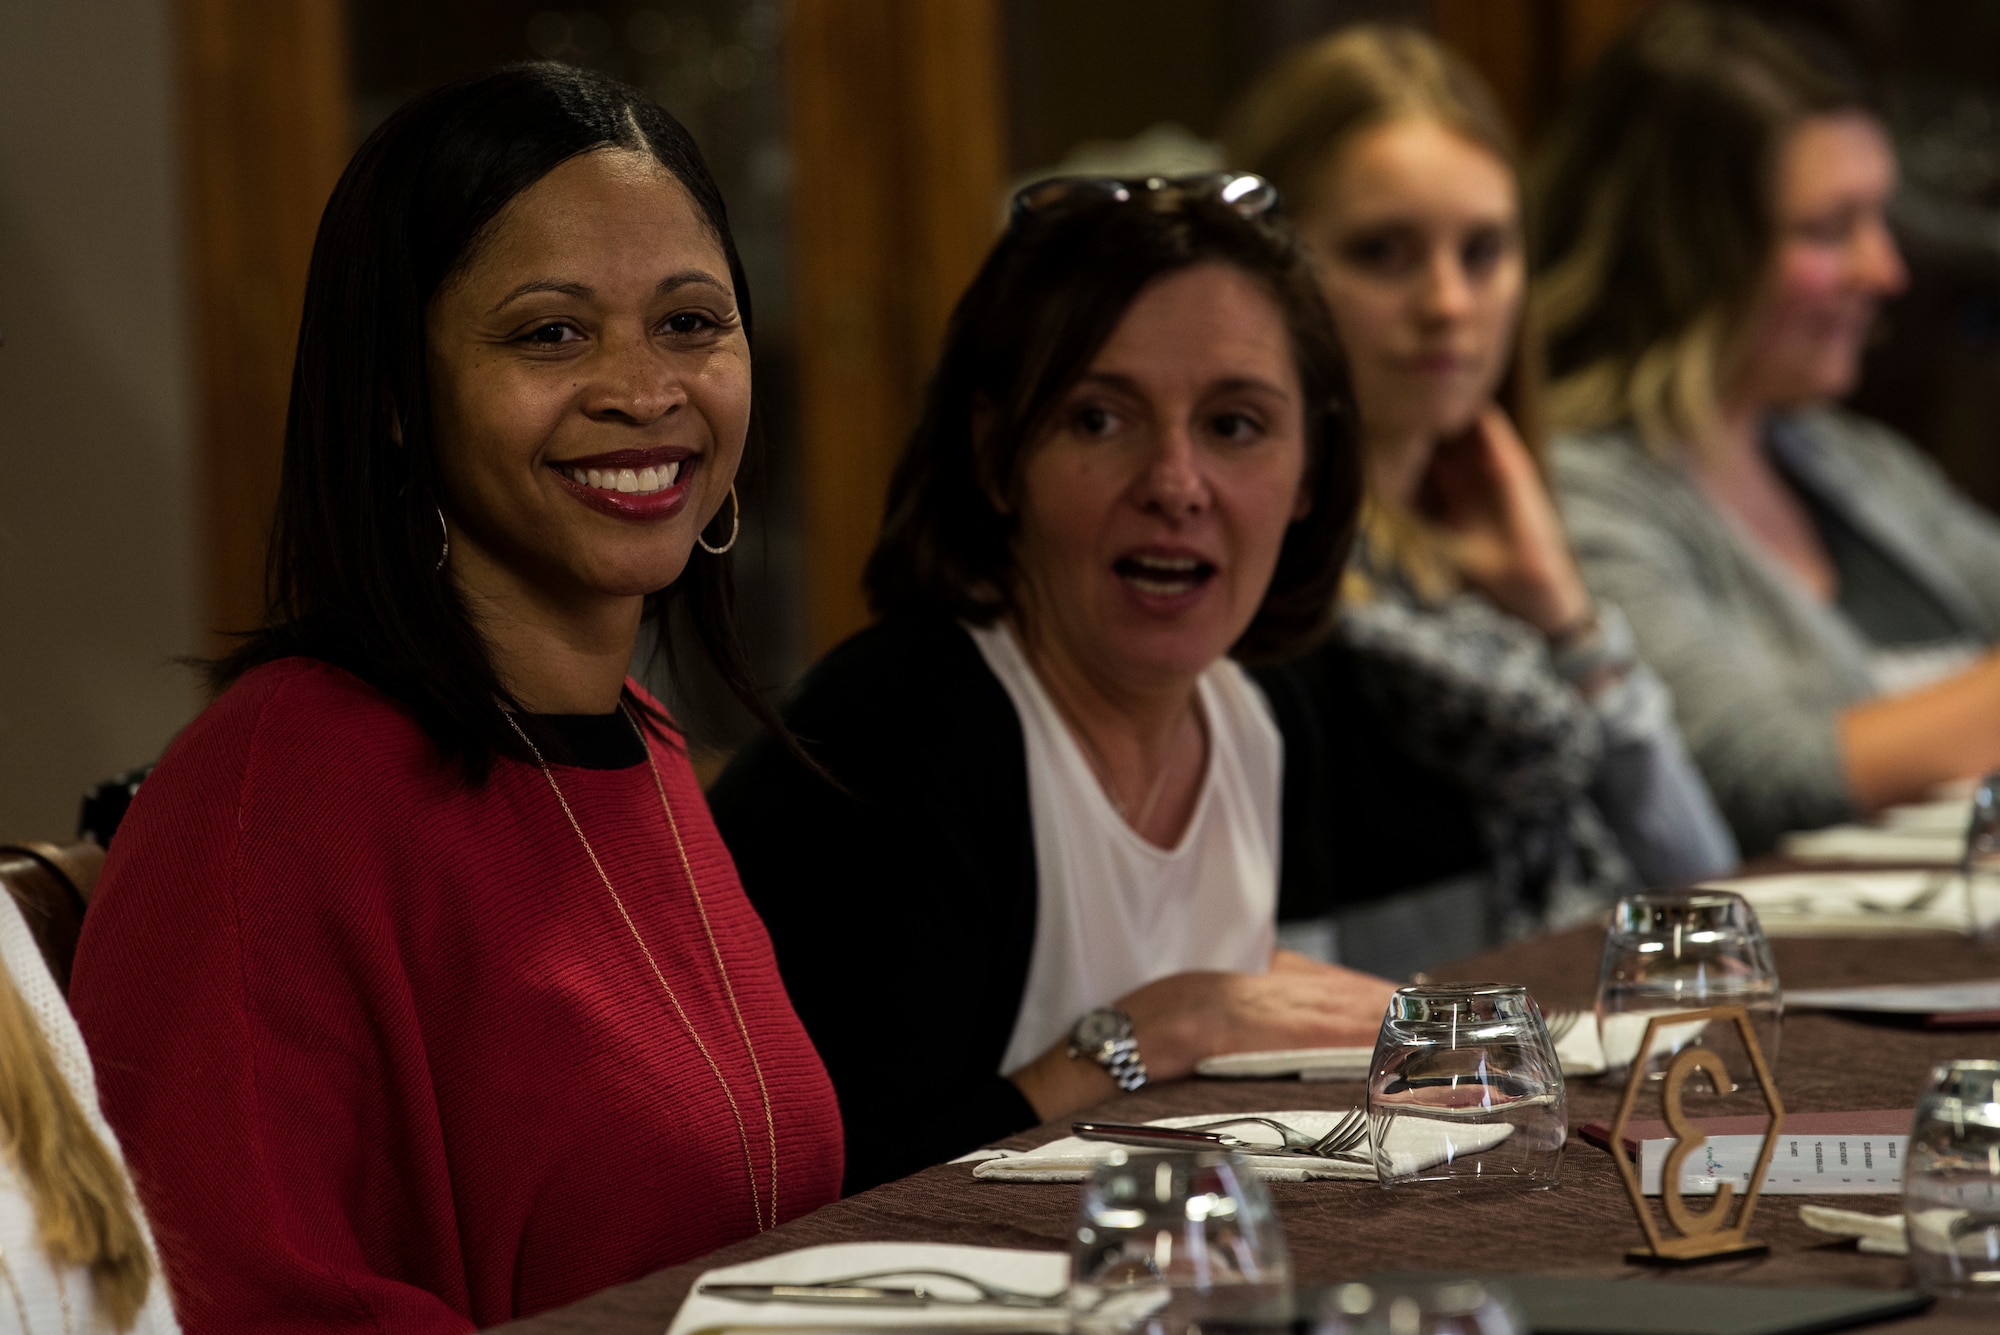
{"x":74,"y":1253}
{"x":1470,"y":632}
{"x":1820,"y":599}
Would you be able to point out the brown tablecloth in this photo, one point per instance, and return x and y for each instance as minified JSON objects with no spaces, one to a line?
{"x":1343,"y":1230}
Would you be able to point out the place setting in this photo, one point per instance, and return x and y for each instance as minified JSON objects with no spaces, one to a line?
{"x":1927,"y":867}
{"x":1465,"y":1092}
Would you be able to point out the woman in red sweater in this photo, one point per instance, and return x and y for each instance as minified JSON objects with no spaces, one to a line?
{"x":422,"y":991}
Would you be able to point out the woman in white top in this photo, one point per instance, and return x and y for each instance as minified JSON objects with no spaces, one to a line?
{"x":74,"y":1253}
{"x":1041,"y":861}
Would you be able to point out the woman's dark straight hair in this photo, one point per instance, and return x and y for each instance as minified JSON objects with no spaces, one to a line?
{"x":351,"y":571}
{"x":1048,"y":296}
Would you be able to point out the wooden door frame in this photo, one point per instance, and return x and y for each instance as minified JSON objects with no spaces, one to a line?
{"x":266,"y":129}
{"x":898,"y":128}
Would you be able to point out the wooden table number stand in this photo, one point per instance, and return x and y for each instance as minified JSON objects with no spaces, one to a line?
{"x":1701,"y":1235}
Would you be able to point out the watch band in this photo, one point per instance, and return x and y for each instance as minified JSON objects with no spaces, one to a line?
{"x":1121,"y":1058}
{"x":1111,"y":1045}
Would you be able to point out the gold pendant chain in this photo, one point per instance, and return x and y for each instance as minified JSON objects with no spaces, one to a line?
{"x":715,"y":951}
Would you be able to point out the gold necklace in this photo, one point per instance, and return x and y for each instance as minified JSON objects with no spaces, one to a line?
{"x":687,"y":868}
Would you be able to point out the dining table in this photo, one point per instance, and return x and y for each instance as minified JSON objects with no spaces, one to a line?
{"x":1344,"y":1230}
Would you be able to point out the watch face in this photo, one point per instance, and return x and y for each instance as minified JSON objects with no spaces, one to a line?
{"x":1100,"y":1027}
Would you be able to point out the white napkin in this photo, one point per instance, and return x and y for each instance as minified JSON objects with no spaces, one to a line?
{"x":1867,"y":843}
{"x":1028,"y":1272}
{"x":1901,"y":998}
{"x":1577,"y":1050}
{"x":1880,"y":1235}
{"x":1862,"y":903}
{"x":1886,"y":1235}
{"x":1305,"y":1063}
{"x":1950,"y":815}
{"x":1623,"y":1033}
{"x":1413,"y":1143}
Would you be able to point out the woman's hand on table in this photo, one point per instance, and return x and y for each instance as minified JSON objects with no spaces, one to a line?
{"x":1299,"y":1004}
{"x":1485,"y":498}
{"x":1181,"y":1019}
{"x":1898,"y":748}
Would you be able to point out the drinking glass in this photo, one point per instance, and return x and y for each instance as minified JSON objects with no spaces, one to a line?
{"x":1682,"y":952}
{"x":1951,"y":1182}
{"x":1464,"y":1088}
{"x":1167,"y":1240}
{"x":1982,"y":842}
{"x":1395,"y":1307}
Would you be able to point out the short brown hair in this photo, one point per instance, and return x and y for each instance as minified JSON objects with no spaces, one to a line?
{"x":1044,"y":302}
{"x":1656,"y":213}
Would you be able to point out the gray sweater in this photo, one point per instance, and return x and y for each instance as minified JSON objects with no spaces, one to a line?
{"x":1758,"y":666}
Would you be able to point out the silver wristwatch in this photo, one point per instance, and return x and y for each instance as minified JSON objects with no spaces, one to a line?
{"x":1105,"y":1037}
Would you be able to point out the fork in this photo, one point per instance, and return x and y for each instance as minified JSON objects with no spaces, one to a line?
{"x":1934,"y":886}
{"x":1561,"y":1024}
{"x":1378,"y":1130}
{"x":1345,"y":1132}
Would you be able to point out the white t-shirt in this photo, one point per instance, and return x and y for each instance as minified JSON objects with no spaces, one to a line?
{"x":1114,"y":912}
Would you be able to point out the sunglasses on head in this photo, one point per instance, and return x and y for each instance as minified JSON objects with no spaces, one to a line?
{"x":1249,"y":195}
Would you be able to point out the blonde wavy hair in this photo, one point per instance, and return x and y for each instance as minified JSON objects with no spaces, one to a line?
{"x":1290,"y":128}
{"x":84,"y":1212}
{"x":1656,"y":217}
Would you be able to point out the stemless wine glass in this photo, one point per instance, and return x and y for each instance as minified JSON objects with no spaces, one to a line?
{"x":1167,"y":1240}
{"x":1465,"y":1088}
{"x":1395,"y":1307}
{"x":1976,"y":866}
{"x":1682,"y":952}
{"x":1951,"y":1182}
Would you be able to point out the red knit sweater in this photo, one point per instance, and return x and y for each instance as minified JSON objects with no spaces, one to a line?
{"x":379,"y":1048}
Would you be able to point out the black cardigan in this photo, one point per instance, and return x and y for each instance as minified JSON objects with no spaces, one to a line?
{"x":903,"y":908}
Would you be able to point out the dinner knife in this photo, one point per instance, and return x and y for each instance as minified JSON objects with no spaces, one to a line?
{"x":1146,"y":1136}
{"x":873,"y":1295}
{"x":1160,"y":1137}
{"x":829,"y":1295}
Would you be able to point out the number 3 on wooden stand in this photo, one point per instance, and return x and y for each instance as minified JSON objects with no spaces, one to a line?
{"x":1701,"y":1234}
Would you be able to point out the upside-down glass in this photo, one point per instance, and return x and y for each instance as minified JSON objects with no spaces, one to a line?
{"x":1976,"y":866}
{"x":1951,"y":1182}
{"x":1166,"y":1240}
{"x":1681,"y":952}
{"x":1465,"y":1089}
{"x":1453,"y":1307}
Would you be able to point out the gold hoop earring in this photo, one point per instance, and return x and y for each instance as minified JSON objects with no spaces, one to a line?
{"x":735,"y":526}
{"x":444,"y":549}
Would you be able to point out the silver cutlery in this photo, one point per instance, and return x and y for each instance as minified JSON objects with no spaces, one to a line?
{"x":1982,"y":834}
{"x":1338,"y":1142}
{"x":862,"y":1290}
{"x":1378,"y":1129}
{"x":1562,"y":1024}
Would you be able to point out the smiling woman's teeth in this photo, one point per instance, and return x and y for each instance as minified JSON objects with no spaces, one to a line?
{"x":635,"y":482}
{"x":1164,"y":575}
